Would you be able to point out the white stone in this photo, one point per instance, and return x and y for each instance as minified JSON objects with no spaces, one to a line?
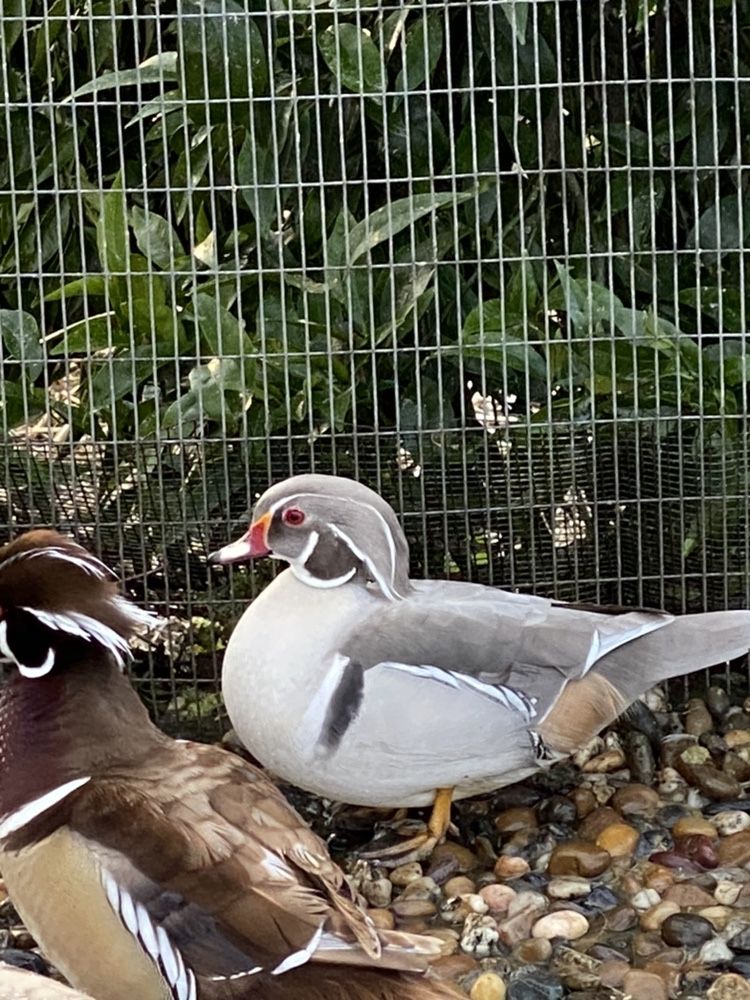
{"x":644,"y":899}
{"x":567,"y":924}
{"x":715,"y":952}
{"x":568,"y":887}
{"x":731,"y":821}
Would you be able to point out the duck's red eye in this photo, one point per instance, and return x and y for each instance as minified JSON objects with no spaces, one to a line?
{"x":294,"y":516}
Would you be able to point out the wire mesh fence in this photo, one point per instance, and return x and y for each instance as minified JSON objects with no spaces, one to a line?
{"x":491,"y":258}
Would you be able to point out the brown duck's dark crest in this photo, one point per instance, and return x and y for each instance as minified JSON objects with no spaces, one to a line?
{"x":55,"y":597}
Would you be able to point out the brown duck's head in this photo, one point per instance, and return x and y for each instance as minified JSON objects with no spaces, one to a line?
{"x":56,"y":602}
{"x":330,"y":530}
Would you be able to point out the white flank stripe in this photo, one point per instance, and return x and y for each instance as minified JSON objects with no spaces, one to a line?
{"x":192,"y":989}
{"x":127,"y":912}
{"x":167,"y":955}
{"x":299,"y":957}
{"x":181,"y":985}
{"x":110,"y":888}
{"x":316,"y":710}
{"x":20,"y":817}
{"x":146,"y":931}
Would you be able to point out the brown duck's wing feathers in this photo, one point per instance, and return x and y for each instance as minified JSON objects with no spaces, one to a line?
{"x":233,"y":847}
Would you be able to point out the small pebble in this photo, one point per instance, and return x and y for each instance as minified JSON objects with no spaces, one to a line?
{"x":464,"y":858}
{"x":645,"y":899}
{"x":382,"y":918}
{"x":741,"y":940}
{"x":698,"y":719}
{"x":511,"y":866}
{"x":479,"y":933}
{"x":566,"y":924}
{"x":686,"y":895}
{"x":719,"y":916}
{"x":459,"y":885}
{"x":686,"y":930}
{"x":452,"y":967}
{"x":568,"y":888}
{"x":497,"y":897}
{"x":584,"y":801}
{"x":535,"y":984}
{"x":578,"y":857}
{"x":612,"y":972}
{"x":717,"y":700}
{"x":533,"y":951}
{"x":618,"y":840}
{"x":378,"y":892}
{"x":598,"y":820}
{"x":729,"y":986}
{"x":731,"y":821}
{"x":737,"y":738}
{"x":644,"y":985}
{"x":405,"y":874}
{"x":489,"y":986}
{"x":518,"y":818}
{"x":636,"y":800}
{"x":715,"y":952}
{"x":726,"y":893}
{"x":610,"y":760}
{"x":687,"y":826}
{"x":654,"y":917}
{"x":734,"y":849}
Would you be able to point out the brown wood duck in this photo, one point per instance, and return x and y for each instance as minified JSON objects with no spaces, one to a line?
{"x":149,"y":868}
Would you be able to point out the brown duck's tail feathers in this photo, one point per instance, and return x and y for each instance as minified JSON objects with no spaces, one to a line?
{"x":19,"y":984}
{"x":316,"y":982}
{"x":681,"y":646}
{"x":399,"y":952}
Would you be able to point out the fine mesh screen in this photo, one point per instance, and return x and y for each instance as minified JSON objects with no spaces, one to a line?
{"x":490,"y":258}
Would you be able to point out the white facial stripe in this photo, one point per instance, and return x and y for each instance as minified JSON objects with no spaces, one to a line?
{"x":298,"y":958}
{"x":359,"y":503}
{"x":88,"y":563}
{"x":20,"y":817}
{"x":309,"y":548}
{"x":137,"y":615}
{"x":35,"y":672}
{"x":305,"y":576}
{"x":386,"y":588}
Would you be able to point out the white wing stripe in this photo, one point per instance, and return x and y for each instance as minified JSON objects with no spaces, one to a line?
{"x":510,"y":698}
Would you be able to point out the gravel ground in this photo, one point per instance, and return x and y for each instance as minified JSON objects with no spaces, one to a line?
{"x":625,"y":872}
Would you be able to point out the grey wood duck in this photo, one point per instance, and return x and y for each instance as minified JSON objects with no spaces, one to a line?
{"x":21,"y":984}
{"x":149,"y":868}
{"x":348,"y":679}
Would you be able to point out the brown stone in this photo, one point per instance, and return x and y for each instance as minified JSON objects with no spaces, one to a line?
{"x":463,"y":857}
{"x":578,"y":857}
{"x":448,"y":939}
{"x":672,"y":748}
{"x":646,"y":944}
{"x":613,"y":972}
{"x":669,"y":973}
{"x":644,"y":985}
{"x":654,"y":917}
{"x":584,"y":800}
{"x":620,"y":918}
{"x":497,"y":897}
{"x":519,"y":818}
{"x":510,"y":866}
{"x":657,"y":877}
{"x":406,"y":909}
{"x":489,"y":986}
{"x":598,"y":820}
{"x":453,"y":966}
{"x":459,"y":885}
{"x":737,"y":765}
{"x":635,"y":800}
{"x":611,"y":760}
{"x":737,"y":738}
{"x":382,"y":918}
{"x":715,"y":784}
{"x":686,"y":895}
{"x":533,"y":950}
{"x":699,"y":848}
{"x":618,"y":840}
{"x":687,"y":826}
{"x":698,"y":719}
{"x":734,"y":850}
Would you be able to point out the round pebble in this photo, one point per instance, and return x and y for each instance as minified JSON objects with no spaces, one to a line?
{"x":687,"y":826}
{"x":644,"y":985}
{"x":405,"y":874}
{"x":459,"y":885}
{"x":636,"y":800}
{"x":535,"y":984}
{"x":715,"y":952}
{"x":654,"y":917}
{"x":497,"y":897}
{"x":729,"y":986}
{"x":731,"y":821}
{"x":618,"y":840}
{"x":566,"y":924}
{"x":578,"y":857}
{"x":686,"y":930}
{"x":510,"y":866}
{"x":518,"y":818}
{"x":734,"y":849}
{"x":568,"y":887}
{"x":489,"y":986}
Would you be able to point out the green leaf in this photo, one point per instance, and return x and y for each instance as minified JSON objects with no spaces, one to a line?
{"x":424,"y":46}
{"x":409,"y":284}
{"x":94,"y":333}
{"x":19,"y":333}
{"x":718,"y":228}
{"x":224,"y":337}
{"x":353,"y":58}
{"x":161,"y":68}
{"x":257,"y":176}
{"x":221,"y":44}
{"x":19,"y":402}
{"x":205,"y":398}
{"x":490,"y":335}
{"x":517,"y":13}
{"x":112,"y":229}
{"x":386,"y":222}
{"x":12,"y":23}
{"x":92,"y":285}
{"x":156,"y":239}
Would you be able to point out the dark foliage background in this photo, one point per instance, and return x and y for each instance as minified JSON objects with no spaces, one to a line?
{"x":491,"y":258}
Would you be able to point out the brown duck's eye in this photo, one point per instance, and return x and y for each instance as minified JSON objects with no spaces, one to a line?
{"x":294,"y":516}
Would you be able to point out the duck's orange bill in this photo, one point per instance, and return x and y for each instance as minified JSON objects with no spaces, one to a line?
{"x":253,"y":544}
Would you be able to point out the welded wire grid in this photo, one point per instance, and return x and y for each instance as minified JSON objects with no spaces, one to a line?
{"x":489,"y":258}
